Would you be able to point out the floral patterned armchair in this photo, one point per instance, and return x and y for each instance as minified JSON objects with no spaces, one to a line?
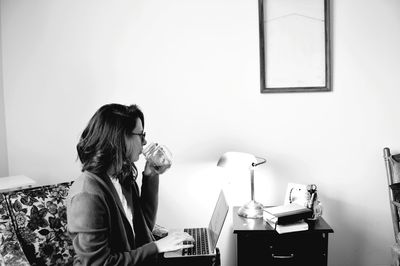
{"x":33,"y":222}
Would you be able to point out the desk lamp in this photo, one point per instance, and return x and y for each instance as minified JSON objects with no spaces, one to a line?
{"x":241,"y":160}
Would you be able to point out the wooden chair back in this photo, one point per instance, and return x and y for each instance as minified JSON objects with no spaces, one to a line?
{"x":392,"y":163}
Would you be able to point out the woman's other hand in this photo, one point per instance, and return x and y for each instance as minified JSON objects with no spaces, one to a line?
{"x":174,"y":241}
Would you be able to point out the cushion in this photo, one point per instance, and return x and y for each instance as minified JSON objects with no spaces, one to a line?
{"x":40,"y":219}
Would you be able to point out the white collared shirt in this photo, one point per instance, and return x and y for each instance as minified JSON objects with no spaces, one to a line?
{"x":128,"y":211}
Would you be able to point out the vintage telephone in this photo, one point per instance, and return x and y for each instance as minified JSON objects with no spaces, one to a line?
{"x":305,"y":195}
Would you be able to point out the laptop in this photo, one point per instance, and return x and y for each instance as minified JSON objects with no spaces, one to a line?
{"x":205,"y":238}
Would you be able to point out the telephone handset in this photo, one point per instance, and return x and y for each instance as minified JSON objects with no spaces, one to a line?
{"x":312,"y":189}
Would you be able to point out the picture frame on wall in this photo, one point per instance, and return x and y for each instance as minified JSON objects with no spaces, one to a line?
{"x":294,"y":45}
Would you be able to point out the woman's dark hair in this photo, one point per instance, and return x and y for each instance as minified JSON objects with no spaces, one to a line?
{"x":102,"y":143}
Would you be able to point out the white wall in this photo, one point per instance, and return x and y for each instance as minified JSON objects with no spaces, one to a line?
{"x":193,"y":67}
{"x":3,"y":139}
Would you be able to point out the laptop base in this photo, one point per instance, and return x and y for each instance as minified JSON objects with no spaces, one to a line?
{"x":213,"y":260}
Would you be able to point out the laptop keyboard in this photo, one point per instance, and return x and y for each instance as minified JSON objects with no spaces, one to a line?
{"x":200,"y":244}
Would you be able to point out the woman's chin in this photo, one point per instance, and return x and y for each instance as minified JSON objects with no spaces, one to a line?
{"x":136,"y":158}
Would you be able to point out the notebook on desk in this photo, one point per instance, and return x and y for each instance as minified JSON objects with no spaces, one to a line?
{"x":205,"y":238}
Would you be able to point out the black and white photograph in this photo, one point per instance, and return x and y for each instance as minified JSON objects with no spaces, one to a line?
{"x":200,"y":132}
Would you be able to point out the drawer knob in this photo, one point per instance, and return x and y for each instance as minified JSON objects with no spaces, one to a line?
{"x":291,"y":256}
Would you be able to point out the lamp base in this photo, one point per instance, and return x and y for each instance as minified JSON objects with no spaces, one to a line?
{"x":251,"y":209}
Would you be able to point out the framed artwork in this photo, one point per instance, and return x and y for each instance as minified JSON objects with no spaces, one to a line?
{"x":294,"y":45}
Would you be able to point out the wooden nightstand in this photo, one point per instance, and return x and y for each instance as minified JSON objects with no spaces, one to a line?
{"x":259,"y":244}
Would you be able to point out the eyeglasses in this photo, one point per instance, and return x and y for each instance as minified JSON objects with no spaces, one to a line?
{"x":142,"y":135}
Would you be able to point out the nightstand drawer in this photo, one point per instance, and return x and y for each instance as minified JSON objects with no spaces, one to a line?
{"x":300,"y":248}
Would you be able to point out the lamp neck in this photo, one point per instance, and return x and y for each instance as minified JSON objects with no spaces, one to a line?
{"x":261,"y":161}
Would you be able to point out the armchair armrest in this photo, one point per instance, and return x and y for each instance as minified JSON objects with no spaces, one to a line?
{"x":10,"y":249}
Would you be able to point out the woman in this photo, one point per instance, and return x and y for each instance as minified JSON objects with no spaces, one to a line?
{"x":109,"y":220}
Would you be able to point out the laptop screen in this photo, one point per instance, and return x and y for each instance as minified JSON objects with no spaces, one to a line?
{"x":218,"y":219}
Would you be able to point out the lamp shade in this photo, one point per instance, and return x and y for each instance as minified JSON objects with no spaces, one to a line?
{"x":234,"y":159}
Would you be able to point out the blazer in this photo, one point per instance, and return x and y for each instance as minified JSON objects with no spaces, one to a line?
{"x":99,"y":228}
